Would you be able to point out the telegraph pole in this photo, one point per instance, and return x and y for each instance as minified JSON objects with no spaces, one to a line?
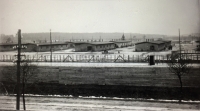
{"x":50,"y":47}
{"x":18,"y":70}
{"x":180,"y":44}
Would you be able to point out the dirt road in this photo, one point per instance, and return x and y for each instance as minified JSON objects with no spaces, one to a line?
{"x":80,"y":104}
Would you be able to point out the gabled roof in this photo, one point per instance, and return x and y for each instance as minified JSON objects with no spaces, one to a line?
{"x":14,"y":43}
{"x":98,"y":43}
{"x":93,"y":43}
{"x":54,"y":43}
{"x":121,"y":41}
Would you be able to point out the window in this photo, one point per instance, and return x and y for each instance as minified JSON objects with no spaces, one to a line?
{"x":47,"y":47}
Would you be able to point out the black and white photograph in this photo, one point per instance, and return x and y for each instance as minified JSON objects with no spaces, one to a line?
{"x":100,"y":55}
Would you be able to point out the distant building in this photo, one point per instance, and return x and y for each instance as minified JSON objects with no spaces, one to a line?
{"x":122,"y":43}
{"x":36,"y":47}
{"x":93,"y":46}
{"x":44,"y":47}
{"x":7,"y":46}
{"x":13,"y":46}
{"x":153,"y":45}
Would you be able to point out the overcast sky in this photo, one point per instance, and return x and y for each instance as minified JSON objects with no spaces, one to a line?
{"x":135,"y":16}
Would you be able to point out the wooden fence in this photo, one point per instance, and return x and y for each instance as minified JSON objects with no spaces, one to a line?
{"x":99,"y":58}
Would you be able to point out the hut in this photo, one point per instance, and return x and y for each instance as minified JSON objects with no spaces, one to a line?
{"x":43,"y":47}
{"x":153,"y":45}
{"x":93,"y":46}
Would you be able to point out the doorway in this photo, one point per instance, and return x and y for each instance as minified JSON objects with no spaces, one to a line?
{"x":89,"y":48}
{"x":152,"y":48}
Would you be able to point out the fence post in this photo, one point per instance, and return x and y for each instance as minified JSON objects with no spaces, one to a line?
{"x":167,"y":57}
{"x":191,"y":57}
{"x":3,"y":58}
{"x":128,"y":58}
{"x":138,"y":58}
{"x":10,"y":58}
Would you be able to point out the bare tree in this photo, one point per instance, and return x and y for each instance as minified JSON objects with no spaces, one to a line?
{"x":180,"y":67}
{"x":28,"y":77}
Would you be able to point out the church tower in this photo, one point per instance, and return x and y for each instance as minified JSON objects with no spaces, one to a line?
{"x":123,"y":37}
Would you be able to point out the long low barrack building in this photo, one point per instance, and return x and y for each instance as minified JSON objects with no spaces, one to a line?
{"x":153,"y":45}
{"x":93,"y":46}
{"x":26,"y":47}
{"x":36,"y":47}
{"x":43,"y":47}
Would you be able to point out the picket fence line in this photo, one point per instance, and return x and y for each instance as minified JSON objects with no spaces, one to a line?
{"x":96,"y":58}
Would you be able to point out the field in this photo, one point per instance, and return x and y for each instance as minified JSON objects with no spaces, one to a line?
{"x":128,"y":82}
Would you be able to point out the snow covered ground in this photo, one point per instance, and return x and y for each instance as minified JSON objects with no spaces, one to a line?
{"x":44,"y":103}
{"x":76,"y":64}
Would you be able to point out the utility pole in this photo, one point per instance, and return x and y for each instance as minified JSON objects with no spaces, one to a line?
{"x":50,"y":47}
{"x":180,"y":44}
{"x":18,"y":70}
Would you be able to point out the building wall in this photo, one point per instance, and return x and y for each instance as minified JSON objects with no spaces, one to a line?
{"x":81,"y":47}
{"x":167,"y":44}
{"x":55,"y":47}
{"x":95,"y":47}
{"x":103,"y":47}
{"x":145,"y":47}
{"x":30,"y":48}
{"x":6,"y":48}
{"x":157,"y":47}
